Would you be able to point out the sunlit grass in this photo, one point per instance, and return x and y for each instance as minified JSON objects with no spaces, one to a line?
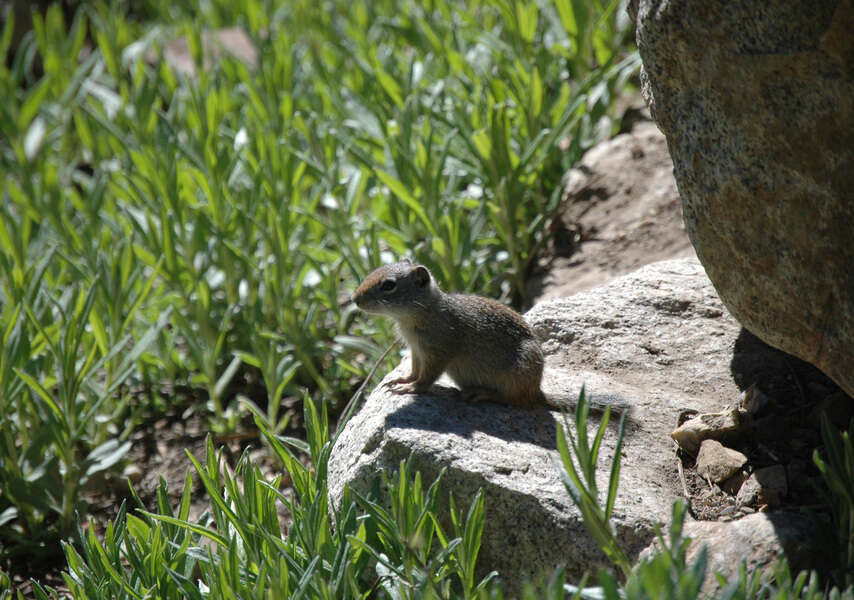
{"x":163,"y":231}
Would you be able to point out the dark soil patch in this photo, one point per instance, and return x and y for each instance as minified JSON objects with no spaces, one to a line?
{"x":787,"y":431}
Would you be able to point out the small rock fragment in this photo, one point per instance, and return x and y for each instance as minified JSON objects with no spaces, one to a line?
{"x":754,"y":400}
{"x":766,"y":486}
{"x":708,"y":426}
{"x":718,"y":462}
{"x":132,"y":472}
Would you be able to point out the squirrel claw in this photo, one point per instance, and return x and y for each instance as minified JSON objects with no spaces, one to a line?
{"x":396,"y":383}
{"x":402,"y":388}
{"x":405,"y":385}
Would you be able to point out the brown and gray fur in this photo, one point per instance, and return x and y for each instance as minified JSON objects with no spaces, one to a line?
{"x":488,"y":350}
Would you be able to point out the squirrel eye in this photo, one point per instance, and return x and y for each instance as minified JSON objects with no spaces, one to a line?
{"x":387,"y":285}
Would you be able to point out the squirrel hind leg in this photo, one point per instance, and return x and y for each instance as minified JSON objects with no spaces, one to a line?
{"x":511,"y":397}
{"x":481,"y":394}
{"x":525,"y":394}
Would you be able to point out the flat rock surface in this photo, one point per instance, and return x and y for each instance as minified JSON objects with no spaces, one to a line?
{"x":658,"y":340}
{"x":757,"y":539}
{"x":650,"y":344}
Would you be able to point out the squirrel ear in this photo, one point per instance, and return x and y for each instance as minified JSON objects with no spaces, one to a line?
{"x":421,"y":275}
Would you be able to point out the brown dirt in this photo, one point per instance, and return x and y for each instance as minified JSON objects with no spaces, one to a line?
{"x":620,"y":211}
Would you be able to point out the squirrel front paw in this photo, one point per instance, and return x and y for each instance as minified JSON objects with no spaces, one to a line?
{"x":403,"y":385}
{"x":403,"y":388}
{"x":407,"y":385}
{"x":401,"y":381}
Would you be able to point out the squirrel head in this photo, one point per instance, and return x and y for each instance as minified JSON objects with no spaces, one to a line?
{"x":397,"y":290}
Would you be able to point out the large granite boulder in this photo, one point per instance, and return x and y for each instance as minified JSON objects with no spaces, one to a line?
{"x":756,"y":100}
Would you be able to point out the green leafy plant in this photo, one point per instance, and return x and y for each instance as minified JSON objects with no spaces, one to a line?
{"x":6,"y":590}
{"x":667,"y":573}
{"x":579,"y":478}
{"x":837,"y":468}
{"x":242,"y":196}
{"x":171,"y":238}
{"x":54,"y":442}
{"x":237,"y":548}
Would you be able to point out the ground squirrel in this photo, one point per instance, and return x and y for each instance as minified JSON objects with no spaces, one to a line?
{"x":489,"y":350}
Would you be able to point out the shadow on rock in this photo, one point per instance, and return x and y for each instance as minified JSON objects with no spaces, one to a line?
{"x":775,"y":372}
{"x":444,"y":410}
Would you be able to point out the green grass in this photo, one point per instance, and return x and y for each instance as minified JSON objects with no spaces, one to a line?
{"x":167,"y":240}
{"x":238,"y":550}
{"x":389,"y":546}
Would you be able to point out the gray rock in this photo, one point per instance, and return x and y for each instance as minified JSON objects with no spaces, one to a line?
{"x":215,"y":44}
{"x":509,"y":452}
{"x":710,"y":426}
{"x":765,"y":487}
{"x":756,"y":100}
{"x":758,"y":539}
{"x":651,"y":343}
{"x":718,"y":462}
